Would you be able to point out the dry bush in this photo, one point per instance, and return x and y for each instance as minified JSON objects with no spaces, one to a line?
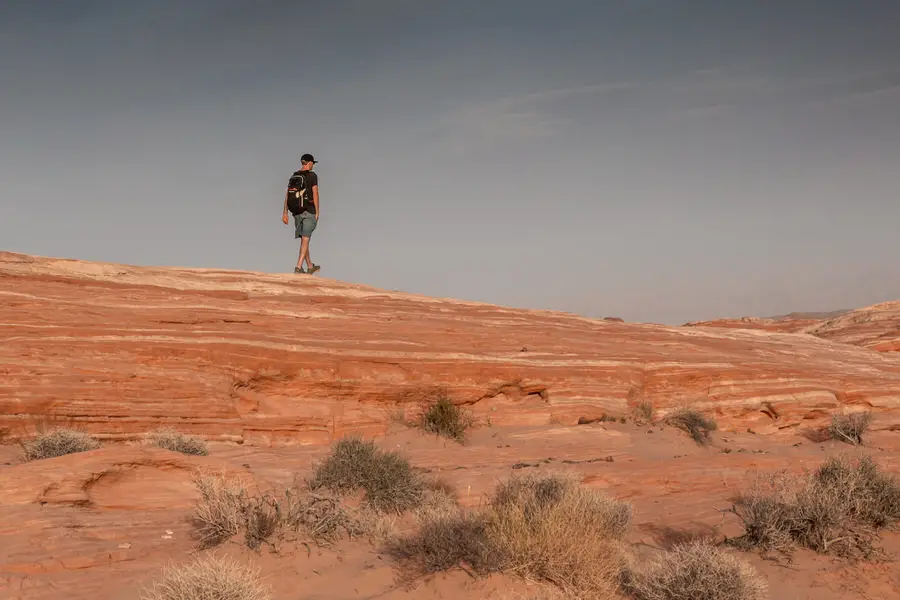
{"x":57,"y":442}
{"x":448,"y":537}
{"x":218,"y":516}
{"x":169,"y":439}
{"x":550,"y":528}
{"x":850,"y":428}
{"x":446,"y":419}
{"x":837,"y":509}
{"x":227,"y":509}
{"x":388,"y":480}
{"x":868,"y":495}
{"x":543,"y":592}
{"x":642,"y":413}
{"x":209,"y":578}
{"x":542,"y":528}
{"x":696,"y":571}
{"x":694,"y":423}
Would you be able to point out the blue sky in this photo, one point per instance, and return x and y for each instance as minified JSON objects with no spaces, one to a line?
{"x":657,"y":160}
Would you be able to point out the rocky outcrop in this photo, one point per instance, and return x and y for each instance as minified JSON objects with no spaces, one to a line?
{"x":270,"y":358}
{"x":773,"y":324}
{"x":876,"y":327}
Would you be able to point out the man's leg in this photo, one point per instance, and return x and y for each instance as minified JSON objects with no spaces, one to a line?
{"x":304,"y":251}
{"x":309,"y":225}
{"x":300,"y":257}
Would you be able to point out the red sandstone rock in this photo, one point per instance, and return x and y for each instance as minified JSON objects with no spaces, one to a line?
{"x":262,"y":358}
{"x":876,"y":327}
{"x":100,"y":525}
{"x":779,"y":325}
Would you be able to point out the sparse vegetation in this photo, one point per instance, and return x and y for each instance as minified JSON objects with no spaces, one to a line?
{"x":448,"y":537}
{"x":850,"y":428}
{"x":837,"y":509}
{"x":696,"y":571}
{"x":543,"y":528}
{"x":697,"y":425}
{"x":226,"y":509}
{"x":388,"y":480}
{"x":169,"y":439}
{"x":209,"y":577}
{"x":443,"y":417}
{"x":642,"y":413}
{"x":57,"y":442}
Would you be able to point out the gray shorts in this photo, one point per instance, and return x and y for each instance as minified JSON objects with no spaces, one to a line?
{"x":304,"y":224}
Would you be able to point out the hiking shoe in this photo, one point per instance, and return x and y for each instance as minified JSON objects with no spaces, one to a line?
{"x":299,"y":270}
{"x":314,"y":268}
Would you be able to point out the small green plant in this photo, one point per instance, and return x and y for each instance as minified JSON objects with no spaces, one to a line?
{"x":388,"y":480}
{"x":58,"y":442}
{"x":694,"y":423}
{"x":850,"y":428}
{"x":446,"y":419}
{"x":169,"y":439}
{"x":209,"y":577}
{"x":696,"y":571}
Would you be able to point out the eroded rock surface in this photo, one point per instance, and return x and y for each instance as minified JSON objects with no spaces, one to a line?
{"x":876,"y":327}
{"x":263,"y":358}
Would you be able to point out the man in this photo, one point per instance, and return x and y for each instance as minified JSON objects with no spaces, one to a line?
{"x":302,"y":199}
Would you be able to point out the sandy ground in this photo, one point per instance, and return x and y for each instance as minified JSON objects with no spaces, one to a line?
{"x":90,"y":527}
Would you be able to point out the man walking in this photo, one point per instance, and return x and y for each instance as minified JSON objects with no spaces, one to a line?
{"x":302,"y":199}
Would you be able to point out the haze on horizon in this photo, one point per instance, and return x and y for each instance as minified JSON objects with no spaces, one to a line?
{"x":650,"y":159}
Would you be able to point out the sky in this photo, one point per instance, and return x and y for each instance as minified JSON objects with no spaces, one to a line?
{"x":656,"y":160}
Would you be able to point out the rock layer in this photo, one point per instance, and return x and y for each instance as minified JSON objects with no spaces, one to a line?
{"x":876,"y":327}
{"x":265,"y":358}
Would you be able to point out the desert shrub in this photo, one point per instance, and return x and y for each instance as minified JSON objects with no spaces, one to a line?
{"x":388,"y":480}
{"x":58,"y":442}
{"x":209,"y":577}
{"x":446,"y":419}
{"x":218,"y":516}
{"x":696,"y":571}
{"x":448,"y":537}
{"x":438,"y":495}
{"x":837,"y":509}
{"x":868,"y":495}
{"x":227,"y":509}
{"x":550,"y":528}
{"x":850,"y":428}
{"x":694,"y":423}
{"x":169,"y":439}
{"x":542,"y":528}
{"x":642,"y":413}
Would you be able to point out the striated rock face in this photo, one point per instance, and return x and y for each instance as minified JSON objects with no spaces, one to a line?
{"x":266,"y":358}
{"x":876,"y":327}
{"x":777,"y":325}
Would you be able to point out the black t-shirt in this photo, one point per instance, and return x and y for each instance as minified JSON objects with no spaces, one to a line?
{"x":300,"y":192}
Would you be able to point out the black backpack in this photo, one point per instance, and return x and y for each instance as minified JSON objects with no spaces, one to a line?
{"x":298,"y":194}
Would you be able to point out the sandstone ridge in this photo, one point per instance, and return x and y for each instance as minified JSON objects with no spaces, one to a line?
{"x":278,"y":358}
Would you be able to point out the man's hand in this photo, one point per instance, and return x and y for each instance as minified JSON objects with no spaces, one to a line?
{"x":284,"y":218}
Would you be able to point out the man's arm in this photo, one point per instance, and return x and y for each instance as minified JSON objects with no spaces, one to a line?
{"x":284,"y":215}
{"x":316,"y":200}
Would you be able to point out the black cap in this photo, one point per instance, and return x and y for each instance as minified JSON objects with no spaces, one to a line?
{"x":308,"y":158}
